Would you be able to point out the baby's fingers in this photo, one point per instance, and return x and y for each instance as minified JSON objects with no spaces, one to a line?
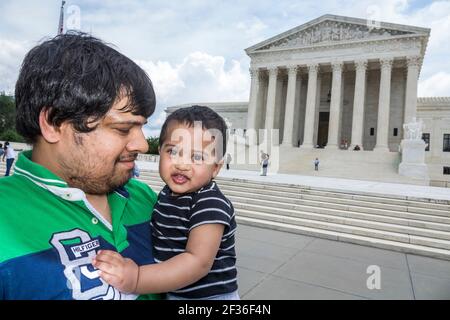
{"x":105,"y":267}
{"x":111,"y":279}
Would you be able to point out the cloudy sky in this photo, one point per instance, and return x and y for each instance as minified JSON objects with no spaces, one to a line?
{"x":193,"y":50}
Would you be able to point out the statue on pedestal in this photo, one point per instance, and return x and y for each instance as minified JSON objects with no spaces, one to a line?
{"x":414,"y":129}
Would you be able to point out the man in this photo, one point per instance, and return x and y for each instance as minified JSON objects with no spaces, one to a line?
{"x":82,"y":105}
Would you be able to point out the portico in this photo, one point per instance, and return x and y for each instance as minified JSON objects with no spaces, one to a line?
{"x":337,"y":82}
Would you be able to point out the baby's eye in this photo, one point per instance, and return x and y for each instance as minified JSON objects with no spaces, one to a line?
{"x":172,"y":152}
{"x":197,"y":157}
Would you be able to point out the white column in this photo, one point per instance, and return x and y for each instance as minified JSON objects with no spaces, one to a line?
{"x":411,"y":88}
{"x":271,"y":98}
{"x":384,"y":105}
{"x":310,"y":106}
{"x":289,"y":119}
{"x":317,"y":109}
{"x":253,"y":105}
{"x":335,"y":106}
{"x":358,"y":105}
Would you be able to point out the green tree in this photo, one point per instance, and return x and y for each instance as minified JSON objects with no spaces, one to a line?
{"x":153,"y":144}
{"x":8,"y":119}
{"x":7,"y":112}
{"x":11,"y":135}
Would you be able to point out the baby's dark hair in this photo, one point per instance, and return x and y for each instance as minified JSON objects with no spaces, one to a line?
{"x":208,"y":117}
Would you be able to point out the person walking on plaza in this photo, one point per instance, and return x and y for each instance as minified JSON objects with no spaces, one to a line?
{"x":316,"y":164}
{"x":2,"y":152}
{"x":10,"y":155}
{"x":228,"y":160}
{"x":264,"y":162}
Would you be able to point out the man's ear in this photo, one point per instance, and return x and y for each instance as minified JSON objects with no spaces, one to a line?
{"x":49,"y":132}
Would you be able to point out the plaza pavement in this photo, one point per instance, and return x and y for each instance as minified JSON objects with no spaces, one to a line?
{"x":276,"y":265}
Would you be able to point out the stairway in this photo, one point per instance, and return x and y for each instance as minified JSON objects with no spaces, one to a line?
{"x":406,"y":224}
{"x":410,"y":225}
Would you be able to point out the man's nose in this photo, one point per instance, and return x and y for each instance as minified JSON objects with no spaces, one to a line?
{"x":138,"y":143}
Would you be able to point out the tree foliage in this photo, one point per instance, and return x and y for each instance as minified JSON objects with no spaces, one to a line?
{"x":8,"y":119}
{"x":153,"y":143}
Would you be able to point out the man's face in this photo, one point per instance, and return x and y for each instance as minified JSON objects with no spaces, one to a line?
{"x":100,"y":161}
{"x":188,"y":158}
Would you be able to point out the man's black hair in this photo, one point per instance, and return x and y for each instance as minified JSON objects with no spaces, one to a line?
{"x":208,"y":117}
{"x":77,"y":78}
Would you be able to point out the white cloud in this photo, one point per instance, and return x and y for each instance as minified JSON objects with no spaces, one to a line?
{"x":437,"y":85}
{"x":11,"y":55}
{"x":252,"y":29}
{"x":200,"y":77}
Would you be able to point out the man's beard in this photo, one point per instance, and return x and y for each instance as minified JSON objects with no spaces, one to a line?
{"x":86,"y":177}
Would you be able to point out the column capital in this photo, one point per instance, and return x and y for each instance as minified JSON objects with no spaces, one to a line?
{"x":254,"y":73}
{"x":273,"y":71}
{"x":361,"y":65}
{"x":414,"y":61}
{"x":386,"y":63}
{"x":313,"y":67}
{"x":337,"y":66}
{"x":293,"y":70}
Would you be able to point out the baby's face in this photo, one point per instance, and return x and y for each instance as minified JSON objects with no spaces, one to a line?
{"x":188,"y":158}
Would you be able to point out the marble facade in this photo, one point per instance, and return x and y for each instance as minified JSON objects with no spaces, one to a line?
{"x":337,"y":82}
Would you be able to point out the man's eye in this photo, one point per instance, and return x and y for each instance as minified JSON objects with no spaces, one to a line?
{"x":123,"y":131}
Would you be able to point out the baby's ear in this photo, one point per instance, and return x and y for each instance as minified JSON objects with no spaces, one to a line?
{"x":217,"y":167}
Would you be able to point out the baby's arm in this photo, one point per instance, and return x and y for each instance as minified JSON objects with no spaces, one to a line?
{"x":178,"y":272}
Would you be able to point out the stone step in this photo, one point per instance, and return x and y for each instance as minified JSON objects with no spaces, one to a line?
{"x":348,"y":229}
{"x":349,"y":205}
{"x":366,"y":196}
{"x":386,"y":216}
{"x":335,"y":218}
{"x":340,"y":196}
{"x":294,"y":190}
{"x":408,"y":228}
{"x":330,"y":201}
{"x":348,"y":238}
{"x":357,"y":213}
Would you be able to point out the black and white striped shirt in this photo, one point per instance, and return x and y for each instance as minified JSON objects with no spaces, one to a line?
{"x":175,"y":216}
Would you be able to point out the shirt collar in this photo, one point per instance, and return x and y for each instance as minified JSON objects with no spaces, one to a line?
{"x":36,"y":172}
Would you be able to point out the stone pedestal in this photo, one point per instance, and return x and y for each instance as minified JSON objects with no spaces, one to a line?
{"x":413,"y":159}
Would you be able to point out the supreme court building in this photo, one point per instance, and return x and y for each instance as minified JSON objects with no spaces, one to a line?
{"x":338,"y":82}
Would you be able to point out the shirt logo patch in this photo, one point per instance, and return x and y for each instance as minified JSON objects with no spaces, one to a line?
{"x":76,"y":249}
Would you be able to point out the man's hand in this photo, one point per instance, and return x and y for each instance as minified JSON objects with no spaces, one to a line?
{"x":122,"y":273}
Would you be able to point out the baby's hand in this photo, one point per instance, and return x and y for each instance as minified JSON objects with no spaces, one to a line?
{"x":122,"y":273}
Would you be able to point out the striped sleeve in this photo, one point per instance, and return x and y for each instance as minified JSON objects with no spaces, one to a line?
{"x":210,"y":208}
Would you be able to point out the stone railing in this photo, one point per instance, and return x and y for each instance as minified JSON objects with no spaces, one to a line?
{"x":148,"y":157}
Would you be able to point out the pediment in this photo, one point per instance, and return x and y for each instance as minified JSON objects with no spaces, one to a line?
{"x":332,"y":30}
